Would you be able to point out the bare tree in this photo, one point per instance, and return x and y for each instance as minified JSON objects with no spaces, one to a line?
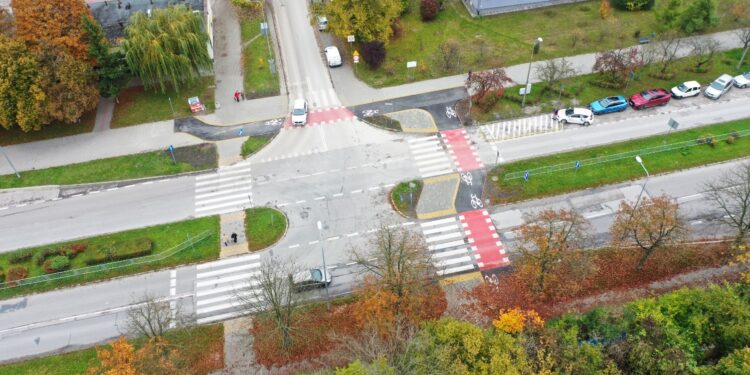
{"x":652,"y":224}
{"x":449,"y":54}
{"x":703,"y":51}
{"x":663,"y":52}
{"x":731,"y":194}
{"x":743,"y":35}
{"x":152,"y":317}
{"x":554,"y":71}
{"x":617,"y":64}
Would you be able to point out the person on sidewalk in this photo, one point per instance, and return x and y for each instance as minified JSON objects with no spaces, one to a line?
{"x":236,"y":96}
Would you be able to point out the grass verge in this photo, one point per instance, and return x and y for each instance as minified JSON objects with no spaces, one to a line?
{"x":202,"y":346}
{"x":383,"y":122}
{"x":263,"y":227}
{"x":258,"y":80}
{"x":622,"y":169}
{"x":484,"y":42}
{"x":401,"y":200}
{"x":137,"y":105}
{"x":254,"y":144}
{"x":163,"y":237}
{"x":54,"y":130}
{"x":148,"y":164}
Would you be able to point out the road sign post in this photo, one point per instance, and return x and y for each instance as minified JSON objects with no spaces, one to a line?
{"x":526,"y":176}
{"x":410,"y":65}
{"x":355,"y":57}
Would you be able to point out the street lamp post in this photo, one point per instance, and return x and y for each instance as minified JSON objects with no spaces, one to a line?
{"x":10,"y":162}
{"x":534,"y":50}
{"x":325,"y":270}
{"x":640,"y":161}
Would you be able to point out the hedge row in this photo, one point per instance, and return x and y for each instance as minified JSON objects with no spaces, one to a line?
{"x":122,"y":250}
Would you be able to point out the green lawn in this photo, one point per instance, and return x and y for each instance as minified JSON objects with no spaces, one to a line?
{"x":592,"y":174}
{"x":163,"y":237}
{"x":400,"y":197}
{"x":149,"y":164}
{"x":581,"y":92}
{"x":53,"y":130}
{"x":199,"y":343}
{"x":258,"y":80}
{"x":137,"y":106}
{"x":254,"y":144}
{"x":507,"y":39}
{"x":263,"y":227}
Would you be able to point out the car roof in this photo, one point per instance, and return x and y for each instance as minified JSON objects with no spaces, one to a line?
{"x":578,"y":110}
{"x":692,"y":84}
{"x":725,"y":77}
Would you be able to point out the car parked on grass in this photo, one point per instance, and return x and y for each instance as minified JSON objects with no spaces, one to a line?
{"x":649,"y":98}
{"x":581,"y":116}
{"x":299,"y":112}
{"x":310,"y":279}
{"x":686,"y":90}
{"x":718,"y":87}
{"x":609,"y":105}
{"x":742,"y":81}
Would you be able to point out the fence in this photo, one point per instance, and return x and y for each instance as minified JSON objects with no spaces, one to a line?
{"x":622,"y":155}
{"x":191,"y":241}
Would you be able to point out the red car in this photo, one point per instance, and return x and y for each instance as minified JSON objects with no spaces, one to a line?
{"x":650,"y":98}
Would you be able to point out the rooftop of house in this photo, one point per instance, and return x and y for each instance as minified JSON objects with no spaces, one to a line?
{"x":113,"y":15}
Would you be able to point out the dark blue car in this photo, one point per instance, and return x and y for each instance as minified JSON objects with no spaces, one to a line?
{"x":608,"y":105}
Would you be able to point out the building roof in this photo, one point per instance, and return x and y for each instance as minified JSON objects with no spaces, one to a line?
{"x":113,"y":15}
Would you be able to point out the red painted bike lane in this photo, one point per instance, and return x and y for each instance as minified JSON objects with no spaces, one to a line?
{"x":484,"y":240}
{"x":464,"y":154}
{"x":324,"y":116}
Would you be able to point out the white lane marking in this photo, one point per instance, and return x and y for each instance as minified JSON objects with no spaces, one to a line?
{"x":438,"y":222}
{"x":406,"y":224}
{"x":319,"y":198}
{"x":338,"y":195}
{"x":224,"y":262}
{"x":222,"y":271}
{"x":294,"y":246}
{"x":333,"y":238}
{"x":282,"y":204}
{"x":298,"y":202}
{"x":353,"y":234}
{"x":374,"y":188}
{"x":313,"y":242}
{"x":355,"y":191}
{"x":112,"y":189}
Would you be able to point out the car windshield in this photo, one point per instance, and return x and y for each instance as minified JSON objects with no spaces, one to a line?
{"x":646,"y":95}
{"x":682,"y":87}
{"x":568,"y":111}
{"x":316,"y":275}
{"x":746,"y":75}
{"x":298,"y":111}
{"x":717,"y":85}
{"x":605,"y":102}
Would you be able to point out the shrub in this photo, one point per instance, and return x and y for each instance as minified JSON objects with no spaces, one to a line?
{"x":730,"y":139}
{"x":707,"y":139}
{"x":2,"y":275}
{"x":73,"y":250}
{"x":20,"y":256}
{"x":42,"y":255}
{"x":373,"y":53}
{"x":56,"y":264}
{"x":429,"y":9}
{"x":121,"y":251}
{"x":633,"y":5}
{"x":16,"y":273}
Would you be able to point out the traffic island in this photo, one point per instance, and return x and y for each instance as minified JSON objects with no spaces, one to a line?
{"x":438,"y":196}
{"x":404,"y":197}
{"x":383,"y":122}
{"x":415,"y":121}
{"x":264,"y":227}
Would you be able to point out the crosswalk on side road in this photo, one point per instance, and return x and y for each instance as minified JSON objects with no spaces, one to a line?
{"x":448,"y":247}
{"x":430,"y":156}
{"x":223,"y":287}
{"x":229,"y":189}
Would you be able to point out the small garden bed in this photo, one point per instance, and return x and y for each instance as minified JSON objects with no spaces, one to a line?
{"x":405,"y":196}
{"x":264,"y":227}
{"x":253,"y":144}
{"x":256,"y":52}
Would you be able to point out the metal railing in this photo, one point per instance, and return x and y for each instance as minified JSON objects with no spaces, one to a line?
{"x":190,"y":242}
{"x":622,"y":155}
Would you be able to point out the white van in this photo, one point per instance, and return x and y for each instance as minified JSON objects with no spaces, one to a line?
{"x":332,"y":56}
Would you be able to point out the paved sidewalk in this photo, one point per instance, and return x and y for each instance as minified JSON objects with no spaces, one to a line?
{"x":104,"y":111}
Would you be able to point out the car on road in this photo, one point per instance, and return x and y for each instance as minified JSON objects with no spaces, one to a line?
{"x":742,"y":81}
{"x":649,"y":98}
{"x":311,"y":279}
{"x":609,"y":105}
{"x":333,"y":57}
{"x":686,"y":90}
{"x":299,"y":112}
{"x":322,"y":23}
{"x":581,"y":116}
{"x":718,"y":87}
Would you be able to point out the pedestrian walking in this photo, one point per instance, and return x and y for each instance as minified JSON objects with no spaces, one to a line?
{"x":234,"y":237}
{"x":236,"y":96}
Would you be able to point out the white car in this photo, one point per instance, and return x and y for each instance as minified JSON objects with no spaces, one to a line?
{"x":333,"y":57}
{"x":719,"y":87}
{"x":299,"y":112}
{"x":742,"y":81}
{"x":686,"y":90}
{"x":581,"y":116}
{"x":322,"y":23}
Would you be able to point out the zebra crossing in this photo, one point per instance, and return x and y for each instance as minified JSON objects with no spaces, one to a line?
{"x":323,"y":98}
{"x":521,"y":127}
{"x":229,"y":189}
{"x":224,"y":286}
{"x":448,"y":247}
{"x":430,"y":156}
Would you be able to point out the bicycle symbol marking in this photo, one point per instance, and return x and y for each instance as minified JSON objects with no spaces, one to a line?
{"x":476,"y":202}
{"x":370,"y":112}
{"x":273,"y":122}
{"x":449,"y":112}
{"x":491,"y":279}
{"x":467,"y":178}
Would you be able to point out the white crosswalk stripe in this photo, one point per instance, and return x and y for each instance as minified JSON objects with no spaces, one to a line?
{"x":224,"y":286}
{"x":522,"y":127}
{"x":430,"y":156}
{"x":447,"y":245}
{"x":229,"y":189}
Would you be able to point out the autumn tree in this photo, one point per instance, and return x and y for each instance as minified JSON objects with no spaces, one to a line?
{"x":429,"y":9}
{"x":448,"y":55}
{"x":40,"y":23}
{"x":167,"y":48}
{"x":615,"y":65}
{"x":487,"y":86}
{"x":155,"y":357}
{"x":650,"y":225}
{"x":553,"y":71}
{"x":605,"y":9}
{"x":515,"y":320}
{"x":703,"y":51}
{"x":21,"y":87}
{"x":7,"y":25}
{"x":543,"y":242}
{"x":743,"y":34}
{"x":119,"y":359}
{"x":111,"y":70}
{"x":367,"y":20}
{"x":730,"y":193}
{"x":68,"y":84}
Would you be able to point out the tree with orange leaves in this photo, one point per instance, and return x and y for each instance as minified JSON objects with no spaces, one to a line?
{"x":156,"y":357}
{"x":515,"y":320}
{"x":118,"y":360}
{"x":57,"y":22}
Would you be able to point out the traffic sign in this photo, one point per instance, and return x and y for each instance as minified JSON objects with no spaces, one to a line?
{"x":673,"y":124}
{"x":526,"y":176}
{"x":356,"y":53}
{"x":356,"y":59}
{"x":350,"y":38}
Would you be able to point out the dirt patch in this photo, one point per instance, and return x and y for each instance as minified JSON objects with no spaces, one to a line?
{"x":202,"y":155}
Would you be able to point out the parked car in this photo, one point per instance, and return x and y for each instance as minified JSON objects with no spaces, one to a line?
{"x":310,"y":279}
{"x":608,"y":105}
{"x":717,"y":88}
{"x":581,"y":116}
{"x":333,"y":57}
{"x":649,"y":98}
{"x":686,"y":90}
{"x":322,"y":23}
{"x":299,"y":112}
{"x":742,"y":81}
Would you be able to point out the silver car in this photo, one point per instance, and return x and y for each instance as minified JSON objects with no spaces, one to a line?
{"x":742,"y":81}
{"x":310,"y":279}
{"x":717,"y":88}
